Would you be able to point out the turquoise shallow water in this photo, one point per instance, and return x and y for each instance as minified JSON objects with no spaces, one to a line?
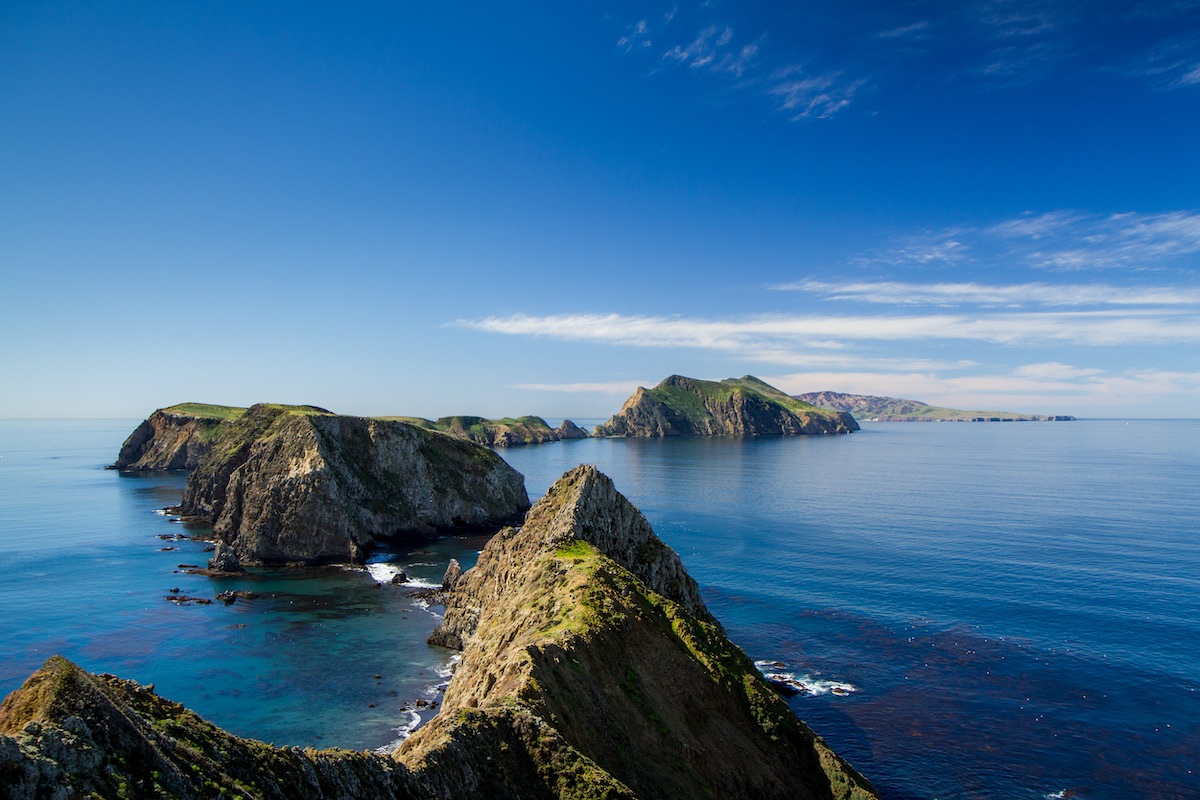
{"x":1016,"y":607}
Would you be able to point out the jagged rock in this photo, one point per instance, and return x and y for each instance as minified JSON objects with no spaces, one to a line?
{"x":225,"y":560}
{"x":451,"y":576}
{"x":291,"y":485}
{"x":569,"y":430}
{"x":744,"y":406}
{"x":400,"y":577}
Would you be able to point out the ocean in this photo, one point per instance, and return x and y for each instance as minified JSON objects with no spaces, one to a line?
{"x":986,"y":610}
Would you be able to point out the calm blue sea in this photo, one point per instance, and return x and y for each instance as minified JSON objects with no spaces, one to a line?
{"x":1006,"y":610}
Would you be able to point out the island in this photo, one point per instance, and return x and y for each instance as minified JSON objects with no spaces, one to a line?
{"x":893,"y":409}
{"x":745,"y":406}
{"x":177,"y":437}
{"x":590,"y":668}
{"x":300,"y":485}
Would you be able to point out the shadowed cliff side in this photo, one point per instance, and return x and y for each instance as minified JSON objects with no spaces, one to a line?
{"x":289,"y":484}
{"x":584,"y":626}
{"x":743,"y":406}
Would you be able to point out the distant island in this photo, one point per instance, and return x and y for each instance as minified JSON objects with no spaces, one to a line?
{"x":893,"y":409}
{"x":746,"y":406}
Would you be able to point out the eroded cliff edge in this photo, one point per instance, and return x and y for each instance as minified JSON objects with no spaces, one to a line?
{"x":176,"y":437}
{"x":745,"y":406}
{"x":590,"y":669}
{"x":287,"y":484}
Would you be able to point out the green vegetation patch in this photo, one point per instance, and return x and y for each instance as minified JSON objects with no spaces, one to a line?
{"x":206,"y":411}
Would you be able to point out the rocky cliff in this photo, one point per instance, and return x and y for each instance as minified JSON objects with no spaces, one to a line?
{"x":296,"y":484}
{"x":590,"y":669}
{"x":744,"y":406}
{"x":505,"y":432}
{"x":175,"y":437}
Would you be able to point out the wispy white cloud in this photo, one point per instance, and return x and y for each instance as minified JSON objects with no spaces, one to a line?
{"x":912,"y":30}
{"x":1170,"y":64}
{"x":774,"y":337}
{"x":1018,"y":295}
{"x":637,"y":38}
{"x":805,"y":96}
{"x":1058,"y":240}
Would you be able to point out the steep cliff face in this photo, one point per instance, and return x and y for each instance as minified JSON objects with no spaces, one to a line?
{"x":506,"y":432}
{"x":590,"y":669}
{"x":175,"y":437}
{"x":287,"y":484}
{"x":583,"y":626}
{"x":744,"y":406}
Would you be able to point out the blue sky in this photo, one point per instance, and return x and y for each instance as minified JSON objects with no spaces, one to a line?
{"x":495,"y":209}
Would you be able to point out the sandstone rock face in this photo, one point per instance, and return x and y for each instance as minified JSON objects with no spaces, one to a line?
{"x":169,"y":439}
{"x":284,"y":485}
{"x":583,"y":627}
{"x":590,"y":669}
{"x":744,"y":406}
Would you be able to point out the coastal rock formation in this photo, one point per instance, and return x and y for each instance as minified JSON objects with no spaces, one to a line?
{"x":286,"y":484}
{"x":583,"y":635}
{"x":175,"y":437}
{"x":744,"y":406}
{"x":590,"y":669}
{"x":894,"y":409}
{"x":506,"y":432}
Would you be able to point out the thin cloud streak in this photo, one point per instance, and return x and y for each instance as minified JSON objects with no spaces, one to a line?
{"x":1022,"y":294}
{"x":780,"y":332}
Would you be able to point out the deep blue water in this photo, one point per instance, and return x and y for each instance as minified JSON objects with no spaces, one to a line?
{"x":1016,"y":606}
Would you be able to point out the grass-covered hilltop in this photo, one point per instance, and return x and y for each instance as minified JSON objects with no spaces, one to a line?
{"x":590,"y":669}
{"x":743,"y":406}
{"x":894,"y":409}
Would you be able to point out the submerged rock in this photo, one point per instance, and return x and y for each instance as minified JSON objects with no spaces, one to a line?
{"x":744,"y":406}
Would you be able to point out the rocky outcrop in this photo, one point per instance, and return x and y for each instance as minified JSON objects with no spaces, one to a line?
{"x":590,"y":669}
{"x":895,"y":409}
{"x":506,"y":432}
{"x":584,"y":629}
{"x":744,"y":406}
{"x":293,"y":484}
{"x":174,"y":438}
{"x":569,"y":430}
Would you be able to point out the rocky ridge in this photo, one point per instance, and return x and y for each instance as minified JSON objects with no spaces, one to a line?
{"x":584,"y":627}
{"x":745,"y":406}
{"x":590,"y":669}
{"x":286,"y":484}
{"x":895,"y":409}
